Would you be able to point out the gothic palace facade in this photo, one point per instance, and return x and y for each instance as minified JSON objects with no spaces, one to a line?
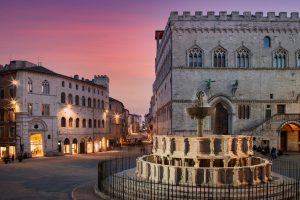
{"x":249,"y":66}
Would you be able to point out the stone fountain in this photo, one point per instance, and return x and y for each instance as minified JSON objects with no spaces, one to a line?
{"x":200,"y":110}
{"x":203,"y":160}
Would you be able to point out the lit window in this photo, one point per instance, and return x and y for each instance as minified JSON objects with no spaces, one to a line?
{"x":195,"y":57}
{"x":267,"y":42}
{"x":219,"y":57}
{"x":71,"y":122}
{"x":45,"y":87}
{"x":243,"y":58}
{"x":280,"y":58}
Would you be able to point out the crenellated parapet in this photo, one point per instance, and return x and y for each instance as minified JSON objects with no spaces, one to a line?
{"x":235,"y":16}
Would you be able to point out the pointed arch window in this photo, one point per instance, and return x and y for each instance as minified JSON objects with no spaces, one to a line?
{"x":280,"y":58}
{"x":45,"y":87}
{"x":298,"y":59}
{"x":29,"y":85}
{"x":243,"y":58}
{"x":219,"y":55}
{"x":195,"y":57}
{"x":70,"y":122}
{"x":63,"y":122}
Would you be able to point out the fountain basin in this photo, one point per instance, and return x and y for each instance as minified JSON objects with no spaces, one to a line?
{"x":199,"y":112}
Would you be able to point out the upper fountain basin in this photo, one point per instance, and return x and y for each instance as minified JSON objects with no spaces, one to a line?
{"x":199,"y":112}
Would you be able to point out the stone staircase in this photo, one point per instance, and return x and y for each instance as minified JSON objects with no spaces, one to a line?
{"x":273,"y":124}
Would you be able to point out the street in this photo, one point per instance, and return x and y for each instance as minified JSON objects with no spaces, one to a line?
{"x":52,"y":177}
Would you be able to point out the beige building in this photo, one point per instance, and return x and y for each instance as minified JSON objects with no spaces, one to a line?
{"x":117,"y":121}
{"x":249,"y":66}
{"x":56,"y":113}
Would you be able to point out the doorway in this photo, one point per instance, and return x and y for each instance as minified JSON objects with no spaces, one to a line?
{"x":289,"y":137}
{"x":36,"y":145}
{"x":220,"y":120}
{"x":82,"y":146}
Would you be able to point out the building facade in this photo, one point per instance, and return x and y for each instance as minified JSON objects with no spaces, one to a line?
{"x":52,"y":113}
{"x":248,"y":65}
{"x":117,"y":121}
{"x":134,"y":123}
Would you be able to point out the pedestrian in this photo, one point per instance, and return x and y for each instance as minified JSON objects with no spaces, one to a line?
{"x":13,"y":158}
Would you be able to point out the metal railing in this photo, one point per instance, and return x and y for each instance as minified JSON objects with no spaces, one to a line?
{"x":117,"y":183}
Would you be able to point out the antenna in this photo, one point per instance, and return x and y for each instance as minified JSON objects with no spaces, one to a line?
{"x":39,"y":63}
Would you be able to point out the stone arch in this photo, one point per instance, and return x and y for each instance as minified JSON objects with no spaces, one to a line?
{"x":193,"y":51}
{"x":219,"y":54}
{"x":289,"y":136}
{"x":37,"y":124}
{"x":223,"y":103}
{"x":82,"y":148}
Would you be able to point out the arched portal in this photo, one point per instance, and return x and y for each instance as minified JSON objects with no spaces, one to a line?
{"x":36,"y":145}
{"x":89,"y":146}
{"x":82,"y":146}
{"x":290,"y":137}
{"x":66,"y":146}
{"x":223,"y":116}
{"x":220,"y":120}
{"x":74,"y":146}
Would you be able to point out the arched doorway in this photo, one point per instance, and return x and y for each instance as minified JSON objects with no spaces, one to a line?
{"x":66,"y":146}
{"x":290,"y":137}
{"x":220,"y":120}
{"x":89,"y":146}
{"x":82,"y":146}
{"x":96,"y":145}
{"x":74,"y":146}
{"x":36,"y":145}
{"x":104,"y":144}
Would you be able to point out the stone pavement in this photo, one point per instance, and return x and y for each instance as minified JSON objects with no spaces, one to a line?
{"x":84,"y":192}
{"x":52,"y":177}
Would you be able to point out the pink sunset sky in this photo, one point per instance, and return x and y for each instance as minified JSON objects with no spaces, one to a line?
{"x":112,"y":37}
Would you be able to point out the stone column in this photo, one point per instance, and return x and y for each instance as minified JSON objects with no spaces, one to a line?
{"x":263,"y":174}
{"x":236,"y":177}
{"x":212,"y":146}
{"x":70,"y":147}
{"x":269,"y":171}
